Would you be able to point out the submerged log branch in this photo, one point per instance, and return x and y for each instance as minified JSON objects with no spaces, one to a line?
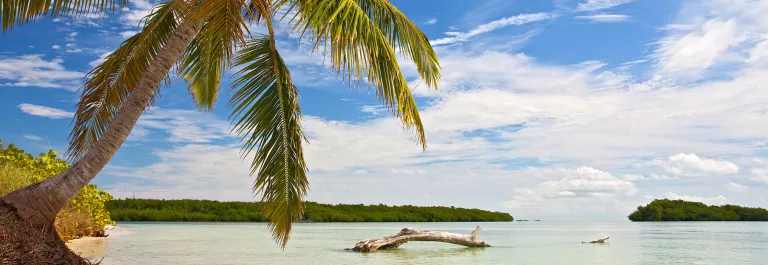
{"x":410,"y":234}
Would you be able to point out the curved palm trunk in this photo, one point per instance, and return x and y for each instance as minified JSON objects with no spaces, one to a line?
{"x":39,"y":203}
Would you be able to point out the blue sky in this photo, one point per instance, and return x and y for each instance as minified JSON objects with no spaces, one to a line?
{"x":564,"y":109}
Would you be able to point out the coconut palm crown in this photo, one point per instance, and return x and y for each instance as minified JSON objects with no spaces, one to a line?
{"x":201,"y":40}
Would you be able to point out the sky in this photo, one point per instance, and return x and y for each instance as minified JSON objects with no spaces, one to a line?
{"x":557,"y":110}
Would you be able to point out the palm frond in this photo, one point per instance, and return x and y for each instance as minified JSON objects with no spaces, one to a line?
{"x":358,"y":48}
{"x":20,"y":12}
{"x":209,"y":54}
{"x":255,"y":9}
{"x":403,"y":35}
{"x":109,"y":84}
{"x":267,"y":117}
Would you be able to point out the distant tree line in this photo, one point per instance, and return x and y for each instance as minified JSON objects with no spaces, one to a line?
{"x":679,"y":210}
{"x":215,"y":211}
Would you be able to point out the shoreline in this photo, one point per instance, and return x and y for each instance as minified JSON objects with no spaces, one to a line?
{"x":90,"y":247}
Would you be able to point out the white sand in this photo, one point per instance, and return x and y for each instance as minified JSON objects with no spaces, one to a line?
{"x":95,"y":247}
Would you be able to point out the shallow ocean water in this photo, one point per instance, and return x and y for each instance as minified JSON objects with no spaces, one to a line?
{"x":512,"y":243}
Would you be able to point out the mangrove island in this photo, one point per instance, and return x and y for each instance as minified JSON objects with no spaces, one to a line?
{"x":216,"y":211}
{"x":679,"y":210}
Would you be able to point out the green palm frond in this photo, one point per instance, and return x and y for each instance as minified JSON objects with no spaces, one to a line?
{"x":359,"y":48}
{"x":19,"y":12}
{"x":267,"y":117}
{"x":209,"y":54}
{"x":109,"y":84}
{"x":405,"y":37}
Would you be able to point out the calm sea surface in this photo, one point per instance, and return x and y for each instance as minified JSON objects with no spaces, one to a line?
{"x":513,"y":243}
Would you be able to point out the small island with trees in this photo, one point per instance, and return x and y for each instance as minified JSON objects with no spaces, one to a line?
{"x":215,"y":211}
{"x":679,"y":210}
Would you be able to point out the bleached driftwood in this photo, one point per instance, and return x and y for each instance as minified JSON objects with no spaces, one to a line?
{"x":599,"y":241}
{"x":410,"y":234}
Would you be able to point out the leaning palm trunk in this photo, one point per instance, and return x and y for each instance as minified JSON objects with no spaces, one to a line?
{"x":38,"y":204}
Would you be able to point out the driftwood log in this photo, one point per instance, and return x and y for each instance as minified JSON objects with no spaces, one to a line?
{"x":599,"y":241}
{"x":410,"y":234}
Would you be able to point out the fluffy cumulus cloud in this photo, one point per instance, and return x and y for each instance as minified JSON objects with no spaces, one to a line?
{"x":691,"y":164}
{"x":576,"y":189}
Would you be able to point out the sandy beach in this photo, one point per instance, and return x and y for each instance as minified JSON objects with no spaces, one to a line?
{"x":95,"y":247}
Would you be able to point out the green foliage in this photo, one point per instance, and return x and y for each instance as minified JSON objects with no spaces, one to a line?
{"x":679,"y":210}
{"x":215,"y":211}
{"x":84,"y":215}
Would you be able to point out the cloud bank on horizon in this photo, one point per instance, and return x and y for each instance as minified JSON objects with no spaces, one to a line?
{"x":578,"y":109}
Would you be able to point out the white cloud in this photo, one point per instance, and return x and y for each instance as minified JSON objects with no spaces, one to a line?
{"x":717,"y":200}
{"x":34,"y":71}
{"x":759,"y":54}
{"x":189,"y":171}
{"x":71,"y":37}
{"x":431,"y":21}
{"x":584,"y":181}
{"x":100,"y":60}
{"x":186,"y":126}
{"x":373,"y":109}
{"x":633,"y":177}
{"x":44,"y":111}
{"x":691,"y":164}
{"x":713,"y":38}
{"x":135,"y":12}
{"x":760,"y":175}
{"x":493,"y":25}
{"x":55,"y":47}
{"x":583,"y":189}
{"x":688,"y":55}
{"x":592,"y":5}
{"x":128,"y":34}
{"x":736,"y":187}
{"x":33,"y":137}
{"x":761,"y":178}
{"x":604,"y":18}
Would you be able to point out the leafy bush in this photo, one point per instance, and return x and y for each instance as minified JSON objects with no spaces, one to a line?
{"x":84,"y":215}
{"x":679,"y":210}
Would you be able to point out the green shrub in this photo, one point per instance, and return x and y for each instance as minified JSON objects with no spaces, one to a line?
{"x":84,"y":215}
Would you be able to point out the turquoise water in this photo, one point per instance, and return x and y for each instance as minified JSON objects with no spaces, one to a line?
{"x":513,"y":243}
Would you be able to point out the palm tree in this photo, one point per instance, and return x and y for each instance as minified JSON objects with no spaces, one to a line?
{"x":204,"y":38}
